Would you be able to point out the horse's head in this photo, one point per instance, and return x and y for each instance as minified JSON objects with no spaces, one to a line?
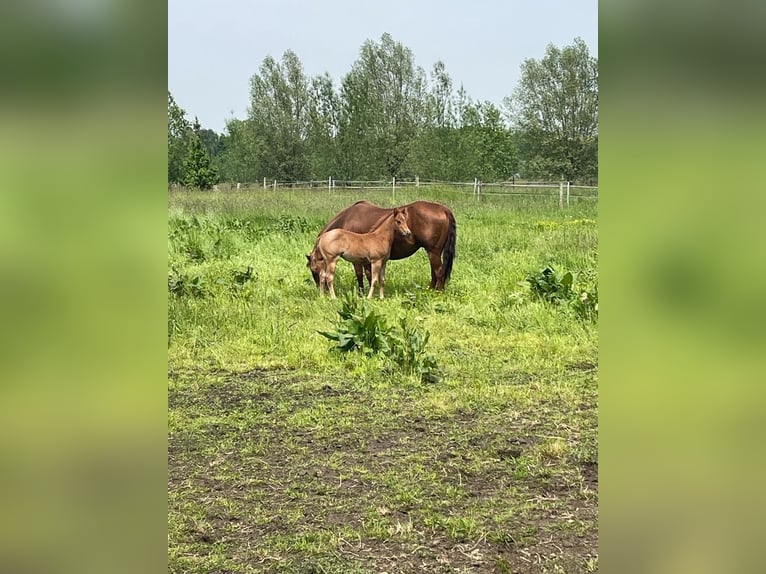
{"x":400,"y":221}
{"x":314,"y":263}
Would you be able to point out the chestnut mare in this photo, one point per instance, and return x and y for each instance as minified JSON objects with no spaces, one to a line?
{"x":374,"y":247}
{"x":433,"y":228}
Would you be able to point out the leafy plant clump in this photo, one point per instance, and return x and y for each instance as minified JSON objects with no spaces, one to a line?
{"x":586,"y":304}
{"x":552,"y":287}
{"x":409,"y":353}
{"x":181,"y":284}
{"x":362,"y":329}
{"x":242,"y":277}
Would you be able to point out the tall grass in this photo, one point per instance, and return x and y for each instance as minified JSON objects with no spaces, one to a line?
{"x":274,"y":316}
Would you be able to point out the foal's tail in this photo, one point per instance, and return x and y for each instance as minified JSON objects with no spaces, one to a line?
{"x":448,"y":251}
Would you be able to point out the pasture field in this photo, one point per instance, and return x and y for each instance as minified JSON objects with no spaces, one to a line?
{"x":286,"y":455}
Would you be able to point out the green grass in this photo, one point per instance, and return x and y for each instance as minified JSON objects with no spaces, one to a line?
{"x":288,"y":456}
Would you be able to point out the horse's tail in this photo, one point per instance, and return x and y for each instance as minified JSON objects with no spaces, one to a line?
{"x":449,"y":250}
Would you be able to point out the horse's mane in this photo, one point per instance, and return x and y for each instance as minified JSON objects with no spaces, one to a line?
{"x":382,"y":219}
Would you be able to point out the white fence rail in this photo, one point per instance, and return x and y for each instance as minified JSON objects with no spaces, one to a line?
{"x":564,"y":190}
{"x":477,"y":186}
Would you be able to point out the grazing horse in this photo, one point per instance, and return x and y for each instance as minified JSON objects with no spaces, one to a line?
{"x":373,"y":247}
{"x":433,"y":228}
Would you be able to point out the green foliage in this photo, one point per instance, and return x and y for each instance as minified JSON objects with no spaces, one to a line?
{"x":179,"y":131}
{"x":362,"y":329}
{"x":197,"y":171}
{"x":389,"y":118}
{"x":278,"y":118}
{"x":555,"y":107}
{"x":383,"y":96}
{"x":237,"y":160}
{"x":181,"y":285}
{"x":586,"y":304}
{"x":549,"y":285}
{"x":409,"y":353}
{"x":242,"y":277}
{"x":292,"y":224}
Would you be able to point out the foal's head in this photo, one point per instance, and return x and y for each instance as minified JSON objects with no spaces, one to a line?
{"x":400,"y":221}
{"x":314,"y":263}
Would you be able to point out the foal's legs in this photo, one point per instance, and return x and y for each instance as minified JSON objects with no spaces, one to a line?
{"x":330,"y":276}
{"x":377,"y":267}
{"x":437,"y":270}
{"x":382,"y":277}
{"x":322,"y":277}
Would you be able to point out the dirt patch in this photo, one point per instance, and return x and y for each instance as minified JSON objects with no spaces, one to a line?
{"x":372,"y":486}
{"x":585,"y":366}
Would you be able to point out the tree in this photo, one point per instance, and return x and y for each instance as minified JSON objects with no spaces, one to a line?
{"x":324,"y":114}
{"x":236,"y":160}
{"x":433,"y":151}
{"x":178,"y":140}
{"x":555,"y":108}
{"x":211,"y":141}
{"x":382,"y":100}
{"x":198,"y":173}
{"x":279,"y":117}
{"x":494,"y":144}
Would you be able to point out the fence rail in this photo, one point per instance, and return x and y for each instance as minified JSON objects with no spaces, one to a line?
{"x":476,"y":186}
{"x":563,"y":189}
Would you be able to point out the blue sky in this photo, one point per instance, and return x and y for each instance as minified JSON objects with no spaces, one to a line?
{"x":215,"y":46}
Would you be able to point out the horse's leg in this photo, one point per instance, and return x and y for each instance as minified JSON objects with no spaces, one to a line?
{"x":374,"y":277}
{"x":437,"y":270}
{"x":382,"y":278}
{"x":368,"y":273}
{"x":330,"y":274}
{"x":383,"y":273}
{"x":359,"y":269}
{"x":322,"y":278}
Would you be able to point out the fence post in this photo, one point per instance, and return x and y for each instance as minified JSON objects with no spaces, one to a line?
{"x":393,"y":188}
{"x":561,"y":194}
{"x":329,"y":184}
{"x":417,"y":181}
{"x":264,"y":183}
{"x":237,"y":186}
{"x":275,"y":185}
{"x":475,"y":183}
{"x":567,"y":194}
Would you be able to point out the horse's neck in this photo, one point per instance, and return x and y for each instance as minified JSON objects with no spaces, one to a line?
{"x":382,"y":222}
{"x":385,"y":228}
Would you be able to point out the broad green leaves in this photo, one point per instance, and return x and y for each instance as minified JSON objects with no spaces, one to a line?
{"x":364,"y":330}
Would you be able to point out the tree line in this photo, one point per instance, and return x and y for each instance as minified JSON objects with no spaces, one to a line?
{"x":389,"y":118}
